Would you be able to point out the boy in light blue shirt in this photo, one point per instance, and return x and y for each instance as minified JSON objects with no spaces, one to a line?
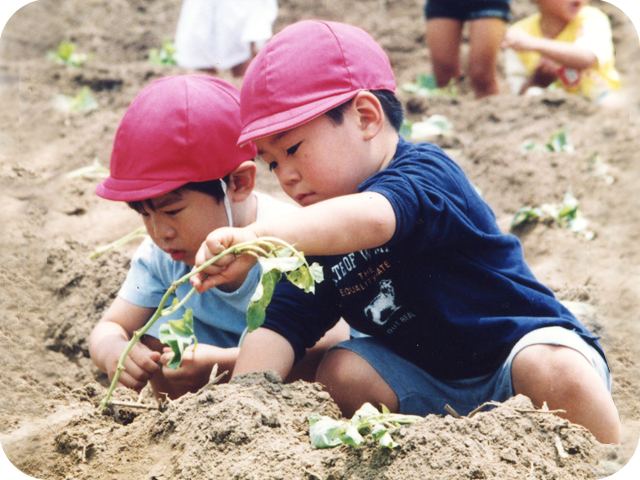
{"x":175,"y":162}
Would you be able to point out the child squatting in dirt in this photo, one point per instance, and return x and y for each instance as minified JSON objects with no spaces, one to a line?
{"x":412,"y":255}
{"x":175,"y":161}
{"x":567,"y":44}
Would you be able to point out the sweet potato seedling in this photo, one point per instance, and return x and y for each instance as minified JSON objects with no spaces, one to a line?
{"x":164,"y":56}
{"x":276,"y":258}
{"x":326,"y":432}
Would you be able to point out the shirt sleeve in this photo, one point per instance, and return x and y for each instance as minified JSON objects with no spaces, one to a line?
{"x":433,"y":201}
{"x":144,"y":285}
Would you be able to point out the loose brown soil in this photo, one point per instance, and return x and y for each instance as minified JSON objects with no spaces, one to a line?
{"x":51,"y":294}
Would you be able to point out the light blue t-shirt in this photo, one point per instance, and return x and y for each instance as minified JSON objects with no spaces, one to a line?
{"x":219,"y":318}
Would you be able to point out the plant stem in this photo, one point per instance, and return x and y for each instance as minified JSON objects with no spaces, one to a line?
{"x":246,"y":247}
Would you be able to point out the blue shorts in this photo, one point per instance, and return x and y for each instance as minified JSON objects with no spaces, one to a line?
{"x":465,"y":10}
{"x":421,"y":394}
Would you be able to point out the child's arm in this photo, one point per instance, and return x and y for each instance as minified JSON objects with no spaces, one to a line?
{"x":110,"y":337}
{"x":564,"y":53}
{"x":336,"y":226}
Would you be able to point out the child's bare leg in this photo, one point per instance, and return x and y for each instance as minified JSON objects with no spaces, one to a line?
{"x":443,"y":39}
{"x":485,"y":37}
{"x":352,"y":381}
{"x":566,"y":380}
{"x":307,"y":367}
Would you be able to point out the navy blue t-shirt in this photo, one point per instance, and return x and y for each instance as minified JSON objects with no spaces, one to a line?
{"x":449,"y":292}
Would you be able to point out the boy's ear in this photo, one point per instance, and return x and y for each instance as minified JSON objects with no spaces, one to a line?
{"x":370,"y":114}
{"x":242,"y":181}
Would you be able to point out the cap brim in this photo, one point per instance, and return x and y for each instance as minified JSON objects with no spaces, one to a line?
{"x":279,"y":122}
{"x":134,"y":190}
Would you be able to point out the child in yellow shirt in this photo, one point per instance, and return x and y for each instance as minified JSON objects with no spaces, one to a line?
{"x":567,"y":44}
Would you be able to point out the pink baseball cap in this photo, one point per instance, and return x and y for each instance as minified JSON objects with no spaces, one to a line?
{"x":177,"y":130}
{"x":307,"y":69}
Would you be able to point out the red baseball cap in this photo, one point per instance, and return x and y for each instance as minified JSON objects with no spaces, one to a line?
{"x":307,"y":69}
{"x":177,"y":130}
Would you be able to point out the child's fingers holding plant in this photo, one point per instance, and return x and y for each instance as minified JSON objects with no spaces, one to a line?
{"x":140,"y":365}
{"x":194,"y":369}
{"x":228,"y":267}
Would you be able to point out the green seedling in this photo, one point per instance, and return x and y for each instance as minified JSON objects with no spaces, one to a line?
{"x":137,"y":233}
{"x":67,"y":55}
{"x":83,"y":102}
{"x":276,"y":258}
{"x":93,"y":171}
{"x":426,"y":86}
{"x":179,"y":335}
{"x":164,"y":56}
{"x":326,"y":432}
{"x":600,"y":169}
{"x":558,"y":142}
{"x":433,"y":126}
{"x":566,"y":214}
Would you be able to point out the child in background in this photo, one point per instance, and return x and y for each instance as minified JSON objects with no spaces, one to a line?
{"x":487,"y":21}
{"x":412,"y":255}
{"x":175,"y":161}
{"x":567,"y":44}
{"x":217,"y":35}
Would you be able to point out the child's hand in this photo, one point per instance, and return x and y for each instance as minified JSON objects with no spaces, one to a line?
{"x":194,"y":369}
{"x":229,"y":267}
{"x":545,"y":73}
{"x":519,"y":40}
{"x":139,"y":365}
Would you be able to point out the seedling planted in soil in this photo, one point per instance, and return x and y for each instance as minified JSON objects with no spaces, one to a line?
{"x":275,"y":256}
{"x":326,"y":432}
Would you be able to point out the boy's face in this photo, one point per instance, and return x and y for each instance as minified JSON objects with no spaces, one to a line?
{"x":565,"y":10}
{"x":318,"y":160}
{"x":181,"y":222}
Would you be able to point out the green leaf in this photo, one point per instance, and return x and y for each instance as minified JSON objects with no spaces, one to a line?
{"x":256,"y":312}
{"x":426,"y":86}
{"x":559,"y":142}
{"x":66,"y":54}
{"x":80,"y":103}
{"x":178,"y":334}
{"x":427,"y":81}
{"x":405,"y":128}
{"x":387,"y":442}
{"x":164,"y":56}
{"x":433,"y":126}
{"x":324,"y":432}
{"x":528,"y":146}
{"x":351,"y":436}
{"x":524,"y":215}
{"x":282,"y":264}
{"x":316,"y":271}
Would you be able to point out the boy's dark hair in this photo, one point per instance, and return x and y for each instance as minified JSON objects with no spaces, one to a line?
{"x":211,"y":187}
{"x":390,"y":105}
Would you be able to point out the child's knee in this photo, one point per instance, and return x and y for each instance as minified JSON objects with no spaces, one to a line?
{"x":552,"y":368}
{"x":336,"y":368}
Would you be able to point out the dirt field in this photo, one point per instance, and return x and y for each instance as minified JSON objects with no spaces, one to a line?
{"x":51,"y":294}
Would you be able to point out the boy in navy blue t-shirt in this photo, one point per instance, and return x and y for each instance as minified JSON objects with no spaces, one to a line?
{"x":412,"y":255}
